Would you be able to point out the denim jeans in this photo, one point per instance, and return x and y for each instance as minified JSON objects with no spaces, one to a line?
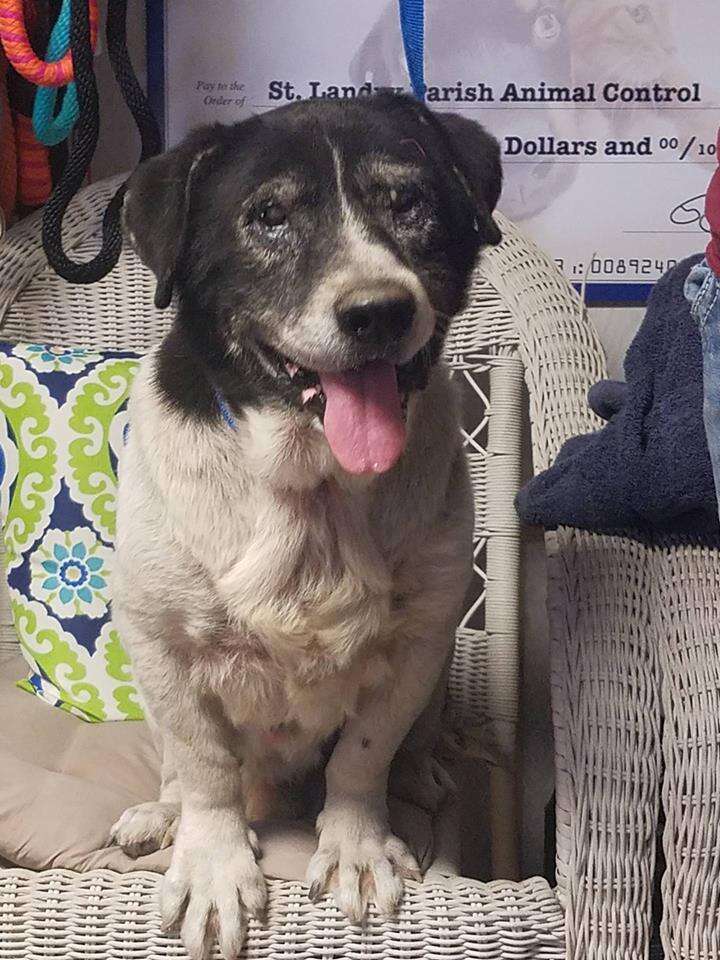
{"x":702,"y":289}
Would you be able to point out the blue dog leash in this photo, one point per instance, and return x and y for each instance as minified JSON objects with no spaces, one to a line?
{"x":412,"y":25}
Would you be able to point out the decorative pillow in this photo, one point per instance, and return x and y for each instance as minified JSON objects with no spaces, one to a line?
{"x":62,"y":421}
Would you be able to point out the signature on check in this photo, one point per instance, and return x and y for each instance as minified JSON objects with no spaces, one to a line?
{"x":691,"y":211}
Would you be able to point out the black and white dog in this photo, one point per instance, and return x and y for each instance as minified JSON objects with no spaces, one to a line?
{"x":295,"y":514}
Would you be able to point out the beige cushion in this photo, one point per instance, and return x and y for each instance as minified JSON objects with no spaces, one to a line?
{"x":64,"y":782}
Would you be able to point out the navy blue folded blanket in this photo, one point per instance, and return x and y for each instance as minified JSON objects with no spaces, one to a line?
{"x":647,"y":473}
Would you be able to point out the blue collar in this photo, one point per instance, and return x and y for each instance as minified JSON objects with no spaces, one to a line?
{"x":224,"y":409}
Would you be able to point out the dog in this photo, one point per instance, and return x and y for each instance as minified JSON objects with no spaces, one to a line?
{"x":294,"y":530}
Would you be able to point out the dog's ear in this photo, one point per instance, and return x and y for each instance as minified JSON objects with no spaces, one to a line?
{"x":479,"y":155}
{"x":478,"y":164}
{"x":157,"y":202}
{"x":465,"y":150}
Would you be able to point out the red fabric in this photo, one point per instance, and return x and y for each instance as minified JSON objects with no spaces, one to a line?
{"x":712,"y":212}
{"x":34,"y":177}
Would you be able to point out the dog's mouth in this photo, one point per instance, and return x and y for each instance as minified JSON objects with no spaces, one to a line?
{"x":362,"y":410}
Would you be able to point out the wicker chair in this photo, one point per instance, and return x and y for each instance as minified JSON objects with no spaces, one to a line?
{"x":616,"y":615}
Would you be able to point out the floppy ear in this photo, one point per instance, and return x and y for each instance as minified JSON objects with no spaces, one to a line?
{"x":478,"y":161}
{"x":157,"y":204}
{"x":471,"y":154}
{"x":479,"y":154}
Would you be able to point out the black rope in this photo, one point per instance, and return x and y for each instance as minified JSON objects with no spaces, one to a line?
{"x":137,"y":102}
{"x":84,"y":142}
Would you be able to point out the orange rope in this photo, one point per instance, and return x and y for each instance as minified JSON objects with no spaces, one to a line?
{"x":14,"y":38}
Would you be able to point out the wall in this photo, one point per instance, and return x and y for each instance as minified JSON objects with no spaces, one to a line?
{"x":119,"y":144}
{"x":616,"y":328}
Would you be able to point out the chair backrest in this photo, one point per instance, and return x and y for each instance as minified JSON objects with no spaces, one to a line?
{"x":514,"y":287}
{"x":523,"y":344}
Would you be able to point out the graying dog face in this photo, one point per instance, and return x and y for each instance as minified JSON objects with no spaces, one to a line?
{"x":330,"y":244}
{"x":334,"y":234}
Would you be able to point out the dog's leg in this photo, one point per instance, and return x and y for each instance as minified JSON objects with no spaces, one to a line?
{"x":213,"y":881}
{"x":357,"y":853}
{"x":416,"y":775}
{"x":356,"y":850}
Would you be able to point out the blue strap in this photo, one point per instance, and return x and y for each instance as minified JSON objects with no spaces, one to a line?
{"x":224,"y":409}
{"x":412,"y":24}
{"x":51,"y":129}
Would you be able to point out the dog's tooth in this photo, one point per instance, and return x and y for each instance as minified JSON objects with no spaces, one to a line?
{"x":308,"y":394}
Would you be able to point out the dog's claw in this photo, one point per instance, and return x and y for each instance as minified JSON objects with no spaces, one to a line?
{"x":210,"y":890}
{"x":315,"y":893}
{"x":359,"y":861}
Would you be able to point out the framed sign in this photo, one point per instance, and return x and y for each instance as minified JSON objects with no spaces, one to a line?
{"x":607,"y":111}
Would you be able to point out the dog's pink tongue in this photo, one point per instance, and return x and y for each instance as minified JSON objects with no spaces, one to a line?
{"x":363,"y":417}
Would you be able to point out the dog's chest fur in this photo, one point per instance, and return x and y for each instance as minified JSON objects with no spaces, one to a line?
{"x":284,"y":590}
{"x":306,"y":605}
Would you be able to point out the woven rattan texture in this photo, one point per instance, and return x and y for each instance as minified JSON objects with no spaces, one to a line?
{"x":606,"y":687}
{"x":102,"y":915}
{"x":606,"y":679}
{"x":685,"y":612}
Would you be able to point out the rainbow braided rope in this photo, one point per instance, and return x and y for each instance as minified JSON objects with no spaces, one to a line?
{"x":14,"y":38}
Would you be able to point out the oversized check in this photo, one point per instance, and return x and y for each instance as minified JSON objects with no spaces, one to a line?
{"x":607,"y":111}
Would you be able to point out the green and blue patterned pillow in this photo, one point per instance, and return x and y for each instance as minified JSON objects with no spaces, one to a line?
{"x":63,"y":419}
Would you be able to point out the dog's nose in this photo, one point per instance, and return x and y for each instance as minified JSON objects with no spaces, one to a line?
{"x":376,"y":315}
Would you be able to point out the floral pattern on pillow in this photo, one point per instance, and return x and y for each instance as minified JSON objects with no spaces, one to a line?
{"x":63,"y":414}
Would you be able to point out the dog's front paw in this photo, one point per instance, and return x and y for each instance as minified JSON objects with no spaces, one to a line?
{"x":146,"y":827}
{"x":360,"y":860}
{"x":212,"y":886}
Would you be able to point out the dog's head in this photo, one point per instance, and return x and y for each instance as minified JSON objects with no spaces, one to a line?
{"x":325,"y":243}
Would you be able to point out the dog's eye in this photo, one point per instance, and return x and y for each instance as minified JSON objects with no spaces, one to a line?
{"x":403,"y":199}
{"x":640,"y":13}
{"x":271,"y":215}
